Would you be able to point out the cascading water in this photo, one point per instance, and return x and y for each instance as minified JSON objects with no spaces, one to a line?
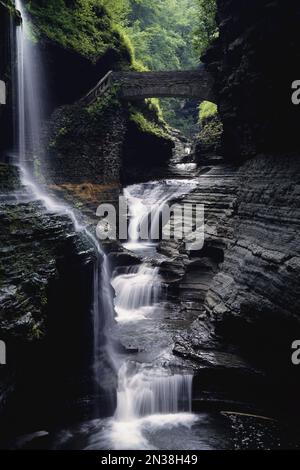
{"x":147,"y":395}
{"x":29,"y":79}
{"x":137,"y":292}
{"x":28,"y":146}
{"x":151,"y":392}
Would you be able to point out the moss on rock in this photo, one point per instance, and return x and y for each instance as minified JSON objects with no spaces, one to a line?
{"x":83,"y":26}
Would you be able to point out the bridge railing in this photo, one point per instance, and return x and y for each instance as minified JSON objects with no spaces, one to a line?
{"x":102,"y":86}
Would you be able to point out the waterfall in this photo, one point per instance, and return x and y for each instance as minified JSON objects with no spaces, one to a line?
{"x":149,"y":392}
{"x":29,"y":116}
{"x":147,"y":395}
{"x":29,"y":79}
{"x":136,"y":291}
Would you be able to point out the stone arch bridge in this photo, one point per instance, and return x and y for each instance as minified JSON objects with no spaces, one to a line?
{"x":134,"y":86}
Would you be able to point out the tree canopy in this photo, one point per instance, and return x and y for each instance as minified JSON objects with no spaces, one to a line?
{"x":162,"y":32}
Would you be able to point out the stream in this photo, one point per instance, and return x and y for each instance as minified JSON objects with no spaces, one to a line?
{"x":154,"y":402}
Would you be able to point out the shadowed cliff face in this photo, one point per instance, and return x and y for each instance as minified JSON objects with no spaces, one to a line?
{"x":254,"y":62}
{"x":46,"y":294}
{"x":6,"y":118}
{"x":251,"y":308}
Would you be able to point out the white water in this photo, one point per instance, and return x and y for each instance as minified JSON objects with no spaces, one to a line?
{"x":137,"y":292}
{"x":139,"y":289}
{"x":29,"y":76}
{"x":150,"y":392}
{"x":148,"y":397}
{"x":29,"y":102}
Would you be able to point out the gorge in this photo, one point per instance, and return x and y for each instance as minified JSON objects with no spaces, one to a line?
{"x":144,"y":344}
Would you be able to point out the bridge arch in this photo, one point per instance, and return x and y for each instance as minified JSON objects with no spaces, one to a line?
{"x":135,"y":86}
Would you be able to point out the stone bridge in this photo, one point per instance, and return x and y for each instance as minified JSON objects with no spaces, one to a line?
{"x":140,"y":85}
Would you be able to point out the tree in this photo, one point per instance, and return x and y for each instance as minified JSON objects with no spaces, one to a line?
{"x":207,"y":29}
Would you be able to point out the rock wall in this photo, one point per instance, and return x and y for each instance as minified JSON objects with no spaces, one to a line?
{"x":250,"y":315}
{"x":84,"y":145}
{"x":101,"y":144}
{"x":46,"y":295}
{"x":241,"y":342}
{"x":209,"y":139}
{"x":254,"y":62}
{"x":8,"y":21}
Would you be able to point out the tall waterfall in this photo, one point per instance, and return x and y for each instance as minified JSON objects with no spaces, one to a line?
{"x":29,"y":99}
{"x":28,"y":145}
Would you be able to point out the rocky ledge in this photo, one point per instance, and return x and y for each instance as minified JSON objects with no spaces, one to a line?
{"x":251,"y":306}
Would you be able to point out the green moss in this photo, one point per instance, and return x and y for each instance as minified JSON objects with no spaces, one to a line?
{"x":109,"y":100}
{"x":207,"y":111}
{"x":147,"y":126}
{"x":138,"y":66}
{"x":84,"y":26}
{"x":154,"y":105}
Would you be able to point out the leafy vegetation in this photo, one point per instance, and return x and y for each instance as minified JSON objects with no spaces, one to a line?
{"x":207,"y":110}
{"x":147,"y":125}
{"x":162,"y":32}
{"x":85,"y":26}
{"x":207,"y":29}
{"x":209,"y":138}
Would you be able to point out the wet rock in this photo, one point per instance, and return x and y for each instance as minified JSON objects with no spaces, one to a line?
{"x":251,"y":306}
{"x":123,"y":258}
{"x":46,"y":291}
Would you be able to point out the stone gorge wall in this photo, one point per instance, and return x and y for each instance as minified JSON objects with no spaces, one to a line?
{"x":8,"y":20}
{"x":251,"y":308}
{"x":46,"y":294}
{"x":254,"y":62}
{"x":84,"y":144}
{"x":250,"y":313}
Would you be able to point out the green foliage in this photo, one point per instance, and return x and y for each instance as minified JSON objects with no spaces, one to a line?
{"x":147,"y":34}
{"x":107,"y":101}
{"x":211,"y":128}
{"x":118,"y":9}
{"x":154,"y":105}
{"x":85,"y":26}
{"x":162,"y":35}
{"x":207,"y":111}
{"x":181,"y":114}
{"x":162,"y":32}
{"x":146,"y":125}
{"x":207,"y":27}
